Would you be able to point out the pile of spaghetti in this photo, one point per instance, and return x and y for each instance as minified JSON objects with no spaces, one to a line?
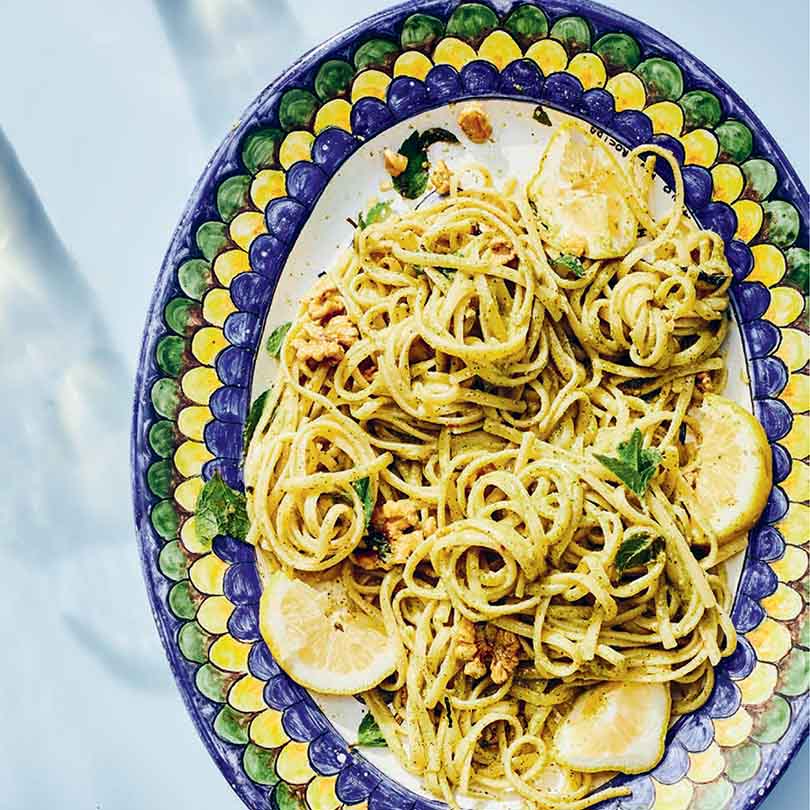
{"x":482,"y":427}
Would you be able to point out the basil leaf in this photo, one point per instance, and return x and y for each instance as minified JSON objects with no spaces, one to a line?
{"x":541,"y":116}
{"x":377,"y":541}
{"x":413,"y":181}
{"x":369,"y":733}
{"x":715,"y":279}
{"x":377,"y":213}
{"x":635,"y":465}
{"x":363,"y":488}
{"x":254,"y":414}
{"x":639,"y":549}
{"x":220,"y":510}
{"x":437,"y":135}
{"x":276,"y":339}
{"x":571,"y":263}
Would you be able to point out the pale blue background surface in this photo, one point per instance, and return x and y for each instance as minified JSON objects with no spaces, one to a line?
{"x":108,"y":113}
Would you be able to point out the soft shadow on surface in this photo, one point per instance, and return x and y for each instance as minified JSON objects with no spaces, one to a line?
{"x":227,"y":51}
{"x":64,"y":504}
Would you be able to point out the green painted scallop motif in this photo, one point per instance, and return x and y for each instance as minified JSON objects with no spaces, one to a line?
{"x":333,"y":80}
{"x":526,"y":24}
{"x":620,"y":52}
{"x":420,"y":32}
{"x":472,"y":22}
{"x":573,"y":32}
{"x":662,"y":78}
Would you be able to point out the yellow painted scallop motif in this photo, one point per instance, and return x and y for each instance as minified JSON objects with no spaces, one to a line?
{"x":245,"y":227}
{"x":792,"y":566}
{"x":293,"y":765}
{"x":230,"y":263}
{"x":549,"y":55}
{"x":758,"y":685}
{"x":785,"y":307}
{"x":589,"y":69}
{"x":700,"y":147}
{"x":706,"y":766}
{"x":771,"y":640}
{"x":727,"y":179}
{"x":199,"y":383}
{"x":749,"y":219}
{"x":187,"y":492}
{"x":452,"y":51}
{"x":414,"y":64}
{"x":247,"y":694}
{"x":500,"y":49}
{"x":769,"y":264}
{"x":217,"y":304}
{"x":266,"y":186}
{"x":208,"y":573}
{"x":214,"y":613}
{"x":267,"y":731}
{"x":784,"y":604}
{"x":335,"y":113}
{"x":229,"y":654}
{"x":372,"y":83}
{"x":673,"y":797}
{"x":628,"y":91}
{"x":190,"y":457}
{"x":191,"y":421}
{"x":296,"y":146}
{"x":731,"y":731}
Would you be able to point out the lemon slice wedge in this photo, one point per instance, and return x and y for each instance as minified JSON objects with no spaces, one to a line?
{"x":577,"y":193}
{"x":321,"y":639}
{"x":615,"y":727}
{"x":732,"y":466}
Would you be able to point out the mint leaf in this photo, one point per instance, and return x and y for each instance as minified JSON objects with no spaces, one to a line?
{"x":571,"y":263}
{"x":635,"y":465}
{"x":639,"y":549}
{"x":220,"y":510}
{"x":276,"y":339}
{"x":369,"y":733}
{"x":413,"y":181}
{"x":363,"y":488}
{"x":541,"y":116}
{"x":377,"y":213}
{"x":254,"y":414}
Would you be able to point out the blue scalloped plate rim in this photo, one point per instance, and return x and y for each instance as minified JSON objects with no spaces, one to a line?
{"x":690,"y":736}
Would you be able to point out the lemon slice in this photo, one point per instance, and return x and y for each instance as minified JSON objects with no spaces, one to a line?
{"x":615,"y":727}
{"x":577,"y":194}
{"x":732,"y":478}
{"x":321,"y":639}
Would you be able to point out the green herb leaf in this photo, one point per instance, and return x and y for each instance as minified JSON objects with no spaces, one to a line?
{"x":254,"y":414}
{"x":363,"y":488}
{"x":377,"y":541}
{"x":541,"y":116}
{"x":437,"y":135}
{"x":568,"y":262}
{"x":220,"y":510}
{"x":369,"y":733}
{"x":448,"y":712}
{"x":413,"y":181}
{"x":447,"y":272}
{"x":715,"y":279}
{"x":639,"y":549}
{"x":276,"y":339}
{"x":635,"y":465}
{"x":377,"y":213}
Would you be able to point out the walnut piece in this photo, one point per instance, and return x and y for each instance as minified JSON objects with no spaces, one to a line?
{"x":325,"y":302}
{"x":440,"y":176}
{"x":703,"y":382}
{"x":394,"y":163}
{"x":475,"y":123}
{"x":398,"y":521}
{"x":487,"y":648}
{"x":325,"y":344}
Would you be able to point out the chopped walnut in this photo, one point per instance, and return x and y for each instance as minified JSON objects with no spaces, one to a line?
{"x":475,"y":123}
{"x":465,"y":640}
{"x":505,"y":656}
{"x":486,"y":647}
{"x":704,"y":383}
{"x":394,"y":163}
{"x":440,"y":176}
{"x":398,"y":521}
{"x":325,"y":302}
{"x":503,"y":249}
{"x":325,"y":344}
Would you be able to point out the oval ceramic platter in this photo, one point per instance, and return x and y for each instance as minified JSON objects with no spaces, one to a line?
{"x":267,"y":216}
